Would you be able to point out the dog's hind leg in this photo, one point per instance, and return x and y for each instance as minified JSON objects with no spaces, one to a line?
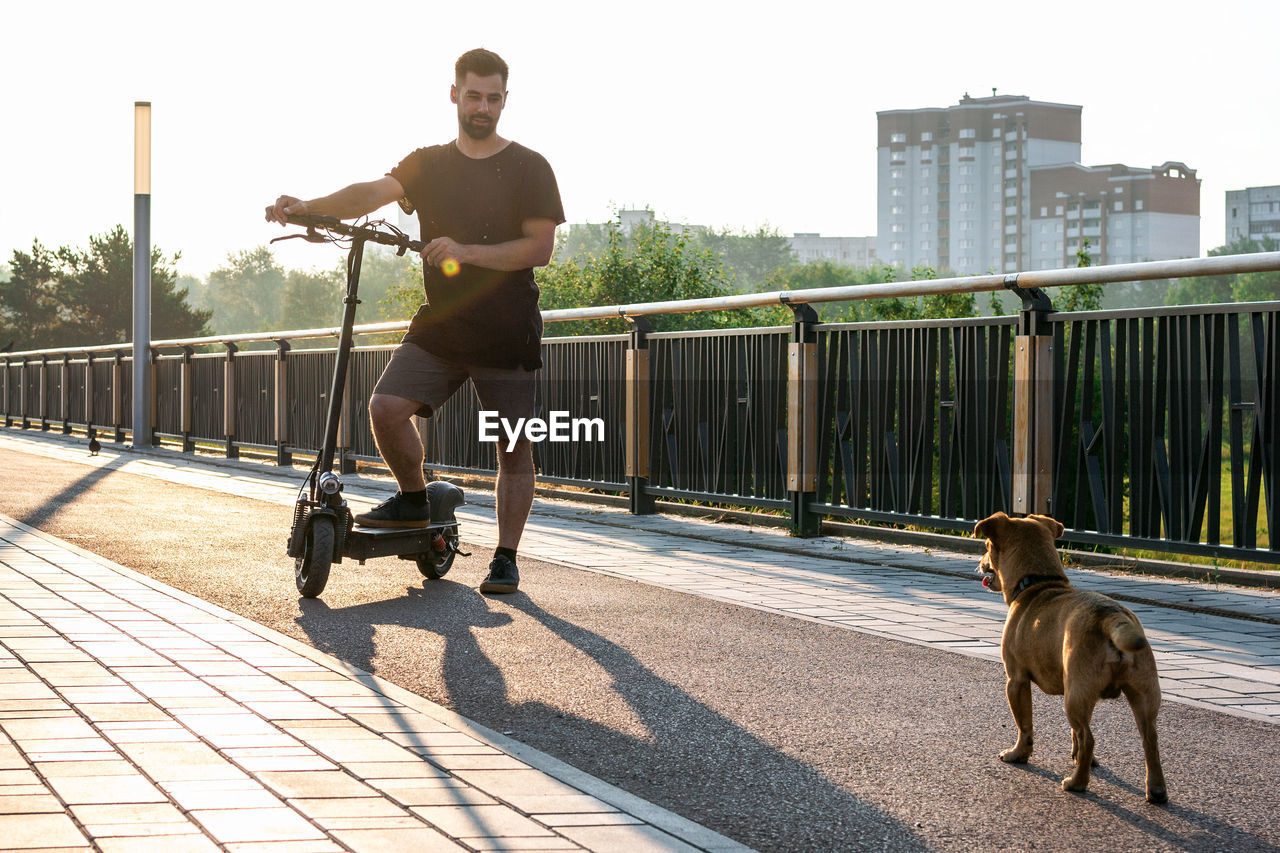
{"x":1019,"y":694}
{"x":1079,"y":708}
{"x":1145,"y":707}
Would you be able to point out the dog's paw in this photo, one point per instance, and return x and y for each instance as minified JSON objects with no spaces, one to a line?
{"x":1157,"y":795}
{"x":1015,"y":756}
{"x":1070,"y":784}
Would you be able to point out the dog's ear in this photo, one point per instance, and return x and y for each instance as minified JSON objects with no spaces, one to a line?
{"x":988,"y":528}
{"x":1054,"y":526}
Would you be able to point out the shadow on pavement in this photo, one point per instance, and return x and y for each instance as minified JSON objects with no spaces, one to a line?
{"x":1183,"y":828}
{"x":695,"y":761}
{"x":1202,"y":833}
{"x":49,"y":510}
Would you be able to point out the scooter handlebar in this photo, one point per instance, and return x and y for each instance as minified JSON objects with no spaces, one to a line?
{"x":367,"y":232}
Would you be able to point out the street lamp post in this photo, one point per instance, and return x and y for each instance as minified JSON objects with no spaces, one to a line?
{"x":141,"y":274}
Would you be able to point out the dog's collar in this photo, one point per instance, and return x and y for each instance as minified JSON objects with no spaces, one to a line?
{"x":1032,"y":580}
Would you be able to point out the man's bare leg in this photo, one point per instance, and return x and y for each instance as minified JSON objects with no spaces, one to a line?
{"x":514,"y":498}
{"x":398,"y":441}
{"x":514,"y":493}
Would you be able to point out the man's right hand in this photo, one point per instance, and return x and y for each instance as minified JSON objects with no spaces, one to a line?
{"x":285,"y":205}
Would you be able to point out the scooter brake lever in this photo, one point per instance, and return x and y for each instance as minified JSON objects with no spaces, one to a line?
{"x":311,"y":237}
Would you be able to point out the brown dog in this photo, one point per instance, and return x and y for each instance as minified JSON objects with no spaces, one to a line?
{"x":1072,"y":643}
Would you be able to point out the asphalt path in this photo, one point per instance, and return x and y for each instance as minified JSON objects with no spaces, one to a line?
{"x":783,"y":734}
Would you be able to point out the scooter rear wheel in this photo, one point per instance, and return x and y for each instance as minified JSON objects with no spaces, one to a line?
{"x":435,"y":565}
{"x":311,"y":570}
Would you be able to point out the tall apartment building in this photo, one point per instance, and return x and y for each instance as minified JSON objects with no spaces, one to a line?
{"x":1253,"y":213}
{"x":977,"y":187}
{"x":1127,"y":214}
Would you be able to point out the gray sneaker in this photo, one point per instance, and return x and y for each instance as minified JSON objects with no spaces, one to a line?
{"x":396,"y":511}
{"x":503,"y":576}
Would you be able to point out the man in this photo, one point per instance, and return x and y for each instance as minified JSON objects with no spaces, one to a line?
{"x":488,"y":209}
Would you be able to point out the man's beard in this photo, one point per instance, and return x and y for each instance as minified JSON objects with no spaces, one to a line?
{"x":478,"y":131}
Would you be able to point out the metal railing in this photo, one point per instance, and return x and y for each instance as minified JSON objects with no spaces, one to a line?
{"x":1152,"y":428}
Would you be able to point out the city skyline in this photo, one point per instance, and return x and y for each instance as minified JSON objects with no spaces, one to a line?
{"x":742,"y":122}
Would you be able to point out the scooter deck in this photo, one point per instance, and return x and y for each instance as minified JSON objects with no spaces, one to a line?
{"x":365,"y":543}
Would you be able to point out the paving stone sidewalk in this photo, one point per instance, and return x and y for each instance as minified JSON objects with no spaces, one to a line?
{"x":134,"y":717}
{"x":925,"y":596}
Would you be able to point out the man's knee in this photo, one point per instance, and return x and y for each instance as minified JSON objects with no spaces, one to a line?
{"x":518,"y":458}
{"x":388,"y":410}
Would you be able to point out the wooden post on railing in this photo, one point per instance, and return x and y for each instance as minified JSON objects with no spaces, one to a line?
{"x":8,"y":420}
{"x":1032,"y":404}
{"x":229,"y":401}
{"x":88,"y":392}
{"x":283,"y":456}
{"x":64,"y":401}
{"x":638,"y":417}
{"x":802,"y":421}
{"x":44,"y":393}
{"x":22,"y":393}
{"x":186,"y":392}
{"x":117,"y":396}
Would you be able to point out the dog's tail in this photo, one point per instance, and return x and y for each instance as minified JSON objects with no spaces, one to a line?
{"x":1125,"y":632}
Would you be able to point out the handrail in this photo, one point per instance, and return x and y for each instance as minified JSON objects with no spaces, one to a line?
{"x":1144,"y":271}
{"x":243,"y":338}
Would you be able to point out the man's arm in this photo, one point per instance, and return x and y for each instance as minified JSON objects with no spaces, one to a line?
{"x":347,"y":203}
{"x":531,"y":250}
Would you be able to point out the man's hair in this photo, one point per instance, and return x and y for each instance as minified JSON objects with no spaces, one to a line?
{"x":481,"y":62}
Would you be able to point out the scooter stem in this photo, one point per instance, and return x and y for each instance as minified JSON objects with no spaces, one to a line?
{"x":336,"y":391}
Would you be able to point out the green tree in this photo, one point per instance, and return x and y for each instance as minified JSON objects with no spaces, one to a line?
{"x":244,"y":294}
{"x":1135,"y":294}
{"x":381,"y":271}
{"x":74,"y":297}
{"x":1256,"y":287}
{"x":583,"y":239}
{"x":827,"y":273}
{"x":943,"y":305}
{"x":1081,"y":297}
{"x":1246,"y":287}
{"x":1200,"y":290}
{"x":751,"y":256}
{"x":404,"y":295}
{"x":97,"y":286}
{"x":830,"y":274}
{"x":1253,"y":286}
{"x":312,"y":300}
{"x":653,"y":264}
{"x":197,"y":290}
{"x":29,"y":300}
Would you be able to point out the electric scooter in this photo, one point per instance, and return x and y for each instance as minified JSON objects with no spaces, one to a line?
{"x":324,"y":529}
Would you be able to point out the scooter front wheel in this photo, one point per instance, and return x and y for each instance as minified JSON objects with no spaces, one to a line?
{"x":311,"y":570}
{"x":435,"y":564}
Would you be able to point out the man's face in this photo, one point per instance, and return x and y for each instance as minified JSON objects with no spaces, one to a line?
{"x":480,"y":101}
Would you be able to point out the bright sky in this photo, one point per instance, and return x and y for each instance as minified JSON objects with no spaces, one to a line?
{"x":724,"y":114}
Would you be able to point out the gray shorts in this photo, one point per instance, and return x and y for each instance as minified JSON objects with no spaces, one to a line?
{"x":415,"y":374}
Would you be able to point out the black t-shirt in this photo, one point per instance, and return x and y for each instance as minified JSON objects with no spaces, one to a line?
{"x":479,"y":316}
